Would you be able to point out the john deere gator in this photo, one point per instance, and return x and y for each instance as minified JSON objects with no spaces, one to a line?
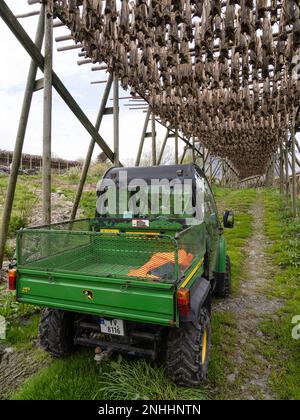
{"x":132,"y":281}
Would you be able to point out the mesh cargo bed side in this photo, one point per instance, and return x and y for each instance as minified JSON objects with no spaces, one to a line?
{"x":98,"y":254}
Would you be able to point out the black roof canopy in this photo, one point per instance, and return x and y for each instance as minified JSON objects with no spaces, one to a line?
{"x":150,"y":173}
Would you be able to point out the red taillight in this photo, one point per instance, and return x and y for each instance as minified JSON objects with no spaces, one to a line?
{"x":12,"y":279}
{"x":183,"y":301}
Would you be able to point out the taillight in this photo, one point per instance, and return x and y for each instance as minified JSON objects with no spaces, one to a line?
{"x":183,"y":302}
{"x":12,"y":279}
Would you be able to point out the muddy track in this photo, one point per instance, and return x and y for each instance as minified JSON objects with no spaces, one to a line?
{"x":16,"y":367}
{"x":251,"y":373}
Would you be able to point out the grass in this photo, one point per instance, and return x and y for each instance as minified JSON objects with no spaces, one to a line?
{"x":22,"y":333}
{"x":10,"y":309}
{"x":282,"y":350}
{"x":241,"y":202}
{"x":224,"y":337}
{"x":122,"y":378}
{"x":224,"y":323}
{"x":25,"y":199}
{"x":80,"y":378}
{"x":88,"y":203}
{"x":21,"y":320}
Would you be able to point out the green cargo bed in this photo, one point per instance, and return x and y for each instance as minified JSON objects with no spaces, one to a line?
{"x":93,"y":253}
{"x":119,"y":275}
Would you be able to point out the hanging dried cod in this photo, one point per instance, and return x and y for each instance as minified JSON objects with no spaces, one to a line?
{"x":216,"y":70}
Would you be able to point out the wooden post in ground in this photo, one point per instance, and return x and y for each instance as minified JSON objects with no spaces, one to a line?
{"x":15,"y":164}
{"x":24,"y":39}
{"x":47,"y":116}
{"x":183,"y":155}
{"x":176,"y":147}
{"x":193,"y":149}
{"x":281,"y":163}
{"x":163,"y":146}
{"x":294,"y":186}
{"x":116,"y":121}
{"x":154,"y":161}
{"x":142,"y":141}
{"x":90,"y":151}
{"x":287,"y":179}
{"x":270,"y":174}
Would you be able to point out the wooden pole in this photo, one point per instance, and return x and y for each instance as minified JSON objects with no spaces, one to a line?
{"x":194,"y":151}
{"x":90,"y":151}
{"x":163,"y":146}
{"x":281,"y":163}
{"x":217,"y":168}
{"x":176,"y":147}
{"x":294,"y":186}
{"x":29,"y":90}
{"x":116,"y":120}
{"x":142,"y":141}
{"x":47,"y":117}
{"x":24,"y":39}
{"x":183,"y":155}
{"x":153,"y":132}
{"x":287,"y":181}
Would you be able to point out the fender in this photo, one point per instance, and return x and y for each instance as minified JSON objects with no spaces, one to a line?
{"x":198,"y":294}
{"x":221,"y":255}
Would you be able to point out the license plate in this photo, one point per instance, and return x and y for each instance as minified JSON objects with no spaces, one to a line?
{"x":112,"y":326}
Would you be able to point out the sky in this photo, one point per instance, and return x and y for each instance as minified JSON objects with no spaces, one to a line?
{"x":69,"y":139}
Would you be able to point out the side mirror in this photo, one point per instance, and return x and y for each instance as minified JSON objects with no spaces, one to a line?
{"x":228,"y":219}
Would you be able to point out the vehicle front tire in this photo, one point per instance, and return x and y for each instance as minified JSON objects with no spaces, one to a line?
{"x":188,"y":351}
{"x":56,"y":332}
{"x":223,"y":287}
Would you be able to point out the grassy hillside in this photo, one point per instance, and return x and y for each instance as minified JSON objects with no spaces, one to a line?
{"x":79,"y":377}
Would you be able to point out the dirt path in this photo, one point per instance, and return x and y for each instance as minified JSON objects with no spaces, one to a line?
{"x":251,"y":373}
{"x":17,"y":366}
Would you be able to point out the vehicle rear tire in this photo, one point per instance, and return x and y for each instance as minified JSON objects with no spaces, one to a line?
{"x":56,"y":332}
{"x":188,"y":351}
{"x":223,"y":288}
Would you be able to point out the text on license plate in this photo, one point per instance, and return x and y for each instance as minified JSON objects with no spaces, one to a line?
{"x":112,"y":326}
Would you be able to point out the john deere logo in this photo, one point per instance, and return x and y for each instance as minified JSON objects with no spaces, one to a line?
{"x":89,"y":294}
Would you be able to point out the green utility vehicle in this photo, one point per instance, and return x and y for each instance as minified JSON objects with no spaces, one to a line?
{"x":138,"y":281}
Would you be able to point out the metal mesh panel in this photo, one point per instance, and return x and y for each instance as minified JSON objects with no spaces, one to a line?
{"x":60,"y":249}
{"x":80,"y":225}
{"x":190,"y":248}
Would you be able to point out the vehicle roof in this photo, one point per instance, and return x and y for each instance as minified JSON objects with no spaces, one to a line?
{"x":156,"y":172}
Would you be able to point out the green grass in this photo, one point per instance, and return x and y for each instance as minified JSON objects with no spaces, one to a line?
{"x":22,"y":333}
{"x":79,"y":378}
{"x":121,"y":378}
{"x":25,"y":199}
{"x":88,"y":203}
{"x":282,"y":350}
{"x":241,"y":202}
{"x":10,"y":309}
{"x":224,"y":338}
{"x":21,"y":320}
{"x":224,"y":324}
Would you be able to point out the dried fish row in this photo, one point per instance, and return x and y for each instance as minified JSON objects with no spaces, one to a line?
{"x":219,"y":71}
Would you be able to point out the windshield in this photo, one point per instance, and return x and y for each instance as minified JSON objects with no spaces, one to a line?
{"x":161,"y":198}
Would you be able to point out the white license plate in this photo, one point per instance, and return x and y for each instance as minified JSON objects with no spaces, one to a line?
{"x":112,"y":326}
